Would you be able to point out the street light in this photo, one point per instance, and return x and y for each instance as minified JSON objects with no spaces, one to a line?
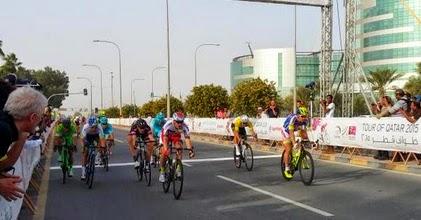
{"x":195,"y":59}
{"x":112,"y":89}
{"x":119,"y":69}
{"x":131,"y":88}
{"x":85,"y":78}
{"x":156,"y":68}
{"x":100,"y":71}
{"x":168,"y":64}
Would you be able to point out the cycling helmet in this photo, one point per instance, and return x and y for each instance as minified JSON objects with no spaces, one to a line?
{"x":178,"y":116}
{"x":160,"y":116}
{"x":66,"y":122}
{"x":101,"y":113}
{"x":244,"y":119}
{"x":92,"y":120}
{"x":302,"y":111}
{"x":103,"y":120}
{"x":140,"y":123}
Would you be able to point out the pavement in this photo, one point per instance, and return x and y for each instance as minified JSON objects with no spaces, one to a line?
{"x":215,"y":189}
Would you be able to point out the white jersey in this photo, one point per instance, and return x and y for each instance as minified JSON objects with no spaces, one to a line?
{"x":88,"y":130}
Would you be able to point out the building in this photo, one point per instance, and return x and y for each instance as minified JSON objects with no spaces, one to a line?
{"x":389,"y":35}
{"x":277,"y":65}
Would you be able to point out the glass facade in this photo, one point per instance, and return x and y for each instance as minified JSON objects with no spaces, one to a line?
{"x":389,"y":35}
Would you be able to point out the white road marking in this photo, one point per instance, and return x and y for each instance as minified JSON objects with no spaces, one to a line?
{"x":185,"y":162}
{"x":304,"y":206}
{"x":119,"y":141}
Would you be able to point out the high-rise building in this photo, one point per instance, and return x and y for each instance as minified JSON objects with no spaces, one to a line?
{"x":389,"y":35}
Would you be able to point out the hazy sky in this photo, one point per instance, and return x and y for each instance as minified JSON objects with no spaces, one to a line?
{"x":60,"y":34}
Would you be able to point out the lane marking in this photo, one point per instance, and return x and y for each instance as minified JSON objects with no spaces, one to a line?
{"x":278,"y":197}
{"x":185,"y":162}
{"x":119,"y":141}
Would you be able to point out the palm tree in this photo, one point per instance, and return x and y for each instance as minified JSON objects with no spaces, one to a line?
{"x":419,"y":68}
{"x":381,"y":78}
{"x":1,"y":51}
{"x":11,"y":64}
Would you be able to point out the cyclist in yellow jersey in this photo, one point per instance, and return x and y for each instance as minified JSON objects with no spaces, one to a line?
{"x":238,"y":127}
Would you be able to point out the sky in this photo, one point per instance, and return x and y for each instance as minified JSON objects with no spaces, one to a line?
{"x":60,"y":34}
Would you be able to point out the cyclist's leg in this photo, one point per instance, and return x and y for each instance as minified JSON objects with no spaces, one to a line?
{"x":131,"y":140}
{"x":84,"y":157}
{"x":149,"y":147}
{"x":178,"y":146}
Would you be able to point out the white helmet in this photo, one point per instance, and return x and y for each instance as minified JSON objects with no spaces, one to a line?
{"x":244,"y":119}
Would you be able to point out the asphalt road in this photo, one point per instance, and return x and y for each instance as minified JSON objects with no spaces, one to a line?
{"x":217,"y":190}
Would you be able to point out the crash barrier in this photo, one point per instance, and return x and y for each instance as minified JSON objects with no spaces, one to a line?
{"x":394,"y":134}
{"x":28,"y":167}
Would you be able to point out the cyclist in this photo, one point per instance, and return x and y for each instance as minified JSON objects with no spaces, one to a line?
{"x":293,"y":123}
{"x":171,"y":133}
{"x":140,"y":129}
{"x":66,"y":135}
{"x":157,"y":123}
{"x":107,"y":128}
{"x":91,"y":133}
{"x":238,"y":127}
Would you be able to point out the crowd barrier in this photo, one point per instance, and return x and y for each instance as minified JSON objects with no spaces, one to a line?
{"x":390,"y":134}
{"x":24,"y":166}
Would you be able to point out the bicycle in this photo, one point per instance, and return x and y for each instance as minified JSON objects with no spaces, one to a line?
{"x":145,"y":168}
{"x":90,"y":165}
{"x":155,"y":154}
{"x":246,"y":154}
{"x":66,"y":162}
{"x":301,"y":161}
{"x":105,"y":156}
{"x":174,"y":173}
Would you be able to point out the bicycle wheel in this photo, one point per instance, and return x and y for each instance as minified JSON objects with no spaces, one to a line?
{"x":248,"y":157}
{"x":64,"y":164}
{"x":283,"y":166}
{"x":107,"y":156}
{"x":177,"y":180}
{"x":306,"y":168}
{"x":139,"y":170}
{"x":147,"y":172}
{"x":237,"y":159}
{"x":91,"y":170}
{"x":168,"y":176}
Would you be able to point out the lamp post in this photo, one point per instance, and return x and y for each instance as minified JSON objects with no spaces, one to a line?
{"x":112,"y":89}
{"x":131,"y":92}
{"x":195,"y":59}
{"x":168,"y":64}
{"x":156,"y":68}
{"x":90,"y":82}
{"x":100,"y":71}
{"x":119,"y":69}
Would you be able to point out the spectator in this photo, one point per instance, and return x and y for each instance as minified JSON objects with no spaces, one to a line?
{"x":227,"y":113}
{"x":22,"y":113}
{"x":385,"y":104}
{"x":220,"y":113}
{"x":261,"y":113}
{"x":272,"y":111}
{"x":401,"y":103}
{"x":415,"y":112}
{"x":328,"y":106}
{"x":5,"y":90}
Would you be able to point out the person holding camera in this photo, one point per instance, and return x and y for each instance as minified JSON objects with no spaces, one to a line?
{"x":328,"y":106}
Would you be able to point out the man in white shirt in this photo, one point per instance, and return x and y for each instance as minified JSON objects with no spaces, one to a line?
{"x":328,"y":106}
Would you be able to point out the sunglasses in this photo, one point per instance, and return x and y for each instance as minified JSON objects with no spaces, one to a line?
{"x":179,"y":122}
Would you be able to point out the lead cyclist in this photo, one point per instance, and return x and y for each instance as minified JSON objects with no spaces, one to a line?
{"x":294,"y":123}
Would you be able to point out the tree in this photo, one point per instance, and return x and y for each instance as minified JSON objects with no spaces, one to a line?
{"x":287,"y":104}
{"x":248,"y":95}
{"x":381,"y":78}
{"x":1,"y":51}
{"x":52,"y":81}
{"x":148,"y":109}
{"x":413,"y":86}
{"x":205,"y":98}
{"x":161,"y":105}
{"x":359,"y":105}
{"x":129,"y":111}
{"x":112,"y":112}
{"x":10,"y":64}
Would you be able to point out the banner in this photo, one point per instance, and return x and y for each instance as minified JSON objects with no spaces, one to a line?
{"x":391,"y":134}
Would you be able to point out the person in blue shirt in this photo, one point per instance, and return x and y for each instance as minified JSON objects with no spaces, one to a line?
{"x":157,"y":123}
{"x":107,"y":128}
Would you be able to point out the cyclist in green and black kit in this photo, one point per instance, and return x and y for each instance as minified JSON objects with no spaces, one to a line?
{"x":65,"y":136}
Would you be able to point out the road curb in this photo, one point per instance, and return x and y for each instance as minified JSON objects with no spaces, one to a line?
{"x":363,"y":161}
